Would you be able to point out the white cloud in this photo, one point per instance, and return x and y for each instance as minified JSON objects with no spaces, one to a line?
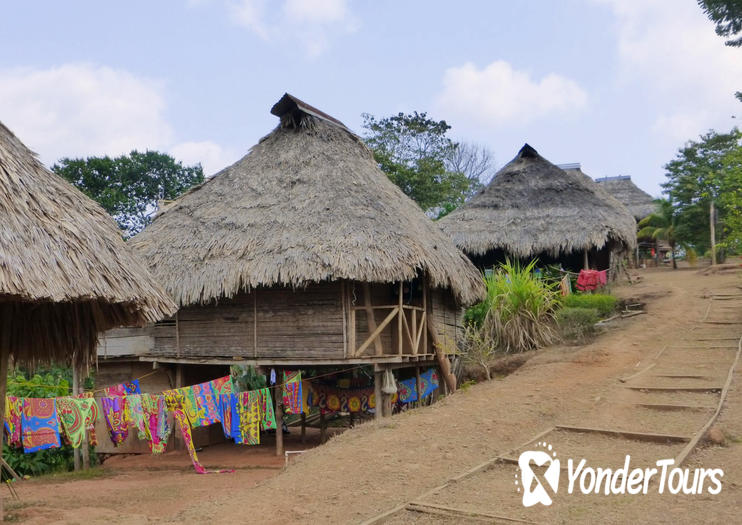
{"x":78,"y":110}
{"x":499,"y":94}
{"x":211,"y":155}
{"x":671,"y":48}
{"x":311,"y":23}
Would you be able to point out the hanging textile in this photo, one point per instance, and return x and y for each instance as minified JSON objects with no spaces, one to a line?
{"x":428,"y":383}
{"x":249,"y":418}
{"x":227,"y":387}
{"x":175,"y":402}
{"x":132,"y":387}
{"x":136,"y":416}
{"x":115,"y":390}
{"x":116,"y":416}
{"x":13,"y":409}
{"x":74,"y":415}
{"x":267,"y":414}
{"x":333,"y":399}
{"x":190,"y":406}
{"x":227,"y":406}
{"x":589,"y":280}
{"x":157,"y":427}
{"x":219,"y":382}
{"x":206,"y":403}
{"x":91,"y":417}
{"x":292,"y":396}
{"x":39,"y":424}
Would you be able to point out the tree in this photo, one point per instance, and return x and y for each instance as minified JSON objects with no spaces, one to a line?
{"x":130,"y":187}
{"x":727,"y":15}
{"x":661,"y":226}
{"x":414,"y":151}
{"x":475,"y":161}
{"x":731,"y":199}
{"x":694,"y":184}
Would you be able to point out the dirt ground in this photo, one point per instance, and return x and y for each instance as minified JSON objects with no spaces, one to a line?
{"x":379,"y":465}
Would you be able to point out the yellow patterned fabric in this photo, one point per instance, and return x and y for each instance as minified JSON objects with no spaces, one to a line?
{"x":248,"y":408}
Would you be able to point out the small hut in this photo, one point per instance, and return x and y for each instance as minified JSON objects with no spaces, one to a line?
{"x":65,"y":272}
{"x":533,"y":209}
{"x":640,"y":203}
{"x":301,"y":254}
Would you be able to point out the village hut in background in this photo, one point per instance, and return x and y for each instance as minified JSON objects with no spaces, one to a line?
{"x":533,"y":209}
{"x":65,"y":272}
{"x":302,"y":254}
{"x":639,"y":202}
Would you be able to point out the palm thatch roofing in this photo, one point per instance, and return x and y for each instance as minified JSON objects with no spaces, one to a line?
{"x":531,"y":207}
{"x":639,"y":202}
{"x":66,"y":274}
{"x":307,"y":204}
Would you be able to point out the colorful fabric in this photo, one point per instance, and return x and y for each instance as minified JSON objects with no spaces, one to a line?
{"x":292,"y":392}
{"x":90,"y":418}
{"x":115,"y":391}
{"x":13,"y":410}
{"x":408,"y":390}
{"x":207,"y":404}
{"x":116,"y":415}
{"x":588,"y":280}
{"x":249,"y":418}
{"x":132,"y":387}
{"x":75,"y":415}
{"x":267,"y":414}
{"x":190,"y":406}
{"x":227,"y":406}
{"x":333,"y":399}
{"x":175,"y":403}
{"x":219,"y":382}
{"x":227,"y":387}
{"x":39,"y":424}
{"x":136,"y":416}
{"x":157,"y":426}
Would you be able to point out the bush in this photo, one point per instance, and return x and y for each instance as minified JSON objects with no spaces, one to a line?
{"x":518,"y":313}
{"x":576,"y":324}
{"x":604,"y":304}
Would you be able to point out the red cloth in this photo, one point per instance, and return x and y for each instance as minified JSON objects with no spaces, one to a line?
{"x":591,"y":279}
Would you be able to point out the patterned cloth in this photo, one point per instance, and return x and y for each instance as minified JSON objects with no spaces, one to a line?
{"x":115,"y":391}
{"x":218,"y":383}
{"x":39,"y":424}
{"x":591,"y":279}
{"x":13,"y":410}
{"x":190,"y":406}
{"x":268,"y":415}
{"x":292,"y":395}
{"x":207,"y":404}
{"x":132,"y":387}
{"x":334,"y":399}
{"x":157,"y":426}
{"x":91,"y":418}
{"x":248,"y":409}
{"x":136,"y":416}
{"x":228,"y":407}
{"x":115,"y":413}
{"x":408,"y":389}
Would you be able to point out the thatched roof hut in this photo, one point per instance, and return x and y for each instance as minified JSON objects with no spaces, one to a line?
{"x":639,"y":202}
{"x":65,"y":272}
{"x":307,"y":204}
{"x":532,"y":208}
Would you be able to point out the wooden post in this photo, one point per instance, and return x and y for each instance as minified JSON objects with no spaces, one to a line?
{"x":322,"y":427}
{"x":418,"y":386}
{"x":343,"y":302}
{"x":371,"y":318}
{"x":303,"y":428}
{"x":712,"y":228}
{"x":377,"y":395}
{"x":84,"y":449}
{"x":179,"y":443}
{"x":425,"y":309}
{"x":4,"y":358}
{"x":399,"y":319}
{"x":177,"y":335}
{"x":255,"y":322}
{"x":585,"y":261}
{"x":75,"y":390}
{"x":279,"y":412}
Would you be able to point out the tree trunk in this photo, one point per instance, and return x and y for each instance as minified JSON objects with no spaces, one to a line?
{"x":672,"y":253}
{"x":712,"y":228}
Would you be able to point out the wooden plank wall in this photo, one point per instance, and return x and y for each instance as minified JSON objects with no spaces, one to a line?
{"x":448,"y":317}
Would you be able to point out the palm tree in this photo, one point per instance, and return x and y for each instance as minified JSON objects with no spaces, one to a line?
{"x":661,"y":225}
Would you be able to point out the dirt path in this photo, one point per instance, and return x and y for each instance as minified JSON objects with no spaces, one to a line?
{"x":376,"y":466}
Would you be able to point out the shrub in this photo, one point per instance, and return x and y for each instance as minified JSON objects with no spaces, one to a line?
{"x":576,"y":324}
{"x":603,"y":303}
{"x":518,"y":313}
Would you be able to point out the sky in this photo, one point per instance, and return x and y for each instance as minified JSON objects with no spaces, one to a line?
{"x":617,"y":85}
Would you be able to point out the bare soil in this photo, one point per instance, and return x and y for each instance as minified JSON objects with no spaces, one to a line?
{"x":378,"y":465}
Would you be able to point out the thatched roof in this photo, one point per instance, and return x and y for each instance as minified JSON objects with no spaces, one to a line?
{"x":308,"y":203}
{"x":639,"y":202}
{"x":531,"y":206}
{"x":65,"y":272}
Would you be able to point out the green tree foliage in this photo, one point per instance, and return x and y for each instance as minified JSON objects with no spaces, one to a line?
{"x":695,"y":177}
{"x":414,"y":151}
{"x":129,"y":187}
{"x":731,"y":200}
{"x":727,"y":15}
{"x":661,"y":225}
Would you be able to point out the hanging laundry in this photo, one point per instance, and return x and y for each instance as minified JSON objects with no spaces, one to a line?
{"x":75,"y":415}
{"x":39,"y":424}
{"x":136,"y":416}
{"x":218,"y":383}
{"x":132,"y":387}
{"x":116,"y":416}
{"x":190,"y":406}
{"x":249,"y":418}
{"x":158,"y":427}
{"x":589,"y":280}
{"x":333,"y":399}
{"x":115,"y":390}
{"x":268,"y":415}
{"x":175,"y":402}
{"x":207,"y":404}
{"x":273,"y":376}
{"x":227,"y":407}
{"x":90,"y":418}
{"x":227,"y":387}
{"x":408,"y":389}
{"x":13,"y":409}
{"x":292,"y":396}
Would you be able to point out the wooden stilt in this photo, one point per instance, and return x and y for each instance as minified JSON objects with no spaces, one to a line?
{"x":179,"y":443}
{"x":303,"y":428}
{"x":279,"y":413}
{"x":418,"y":386}
{"x":4,"y":358}
{"x":399,"y":319}
{"x":377,"y":395}
{"x":84,"y":449}
{"x":75,"y":390}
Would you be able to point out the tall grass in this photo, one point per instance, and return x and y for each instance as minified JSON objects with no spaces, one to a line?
{"x":518,"y":314}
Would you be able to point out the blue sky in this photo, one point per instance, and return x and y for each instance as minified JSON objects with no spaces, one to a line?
{"x":617,"y":85}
